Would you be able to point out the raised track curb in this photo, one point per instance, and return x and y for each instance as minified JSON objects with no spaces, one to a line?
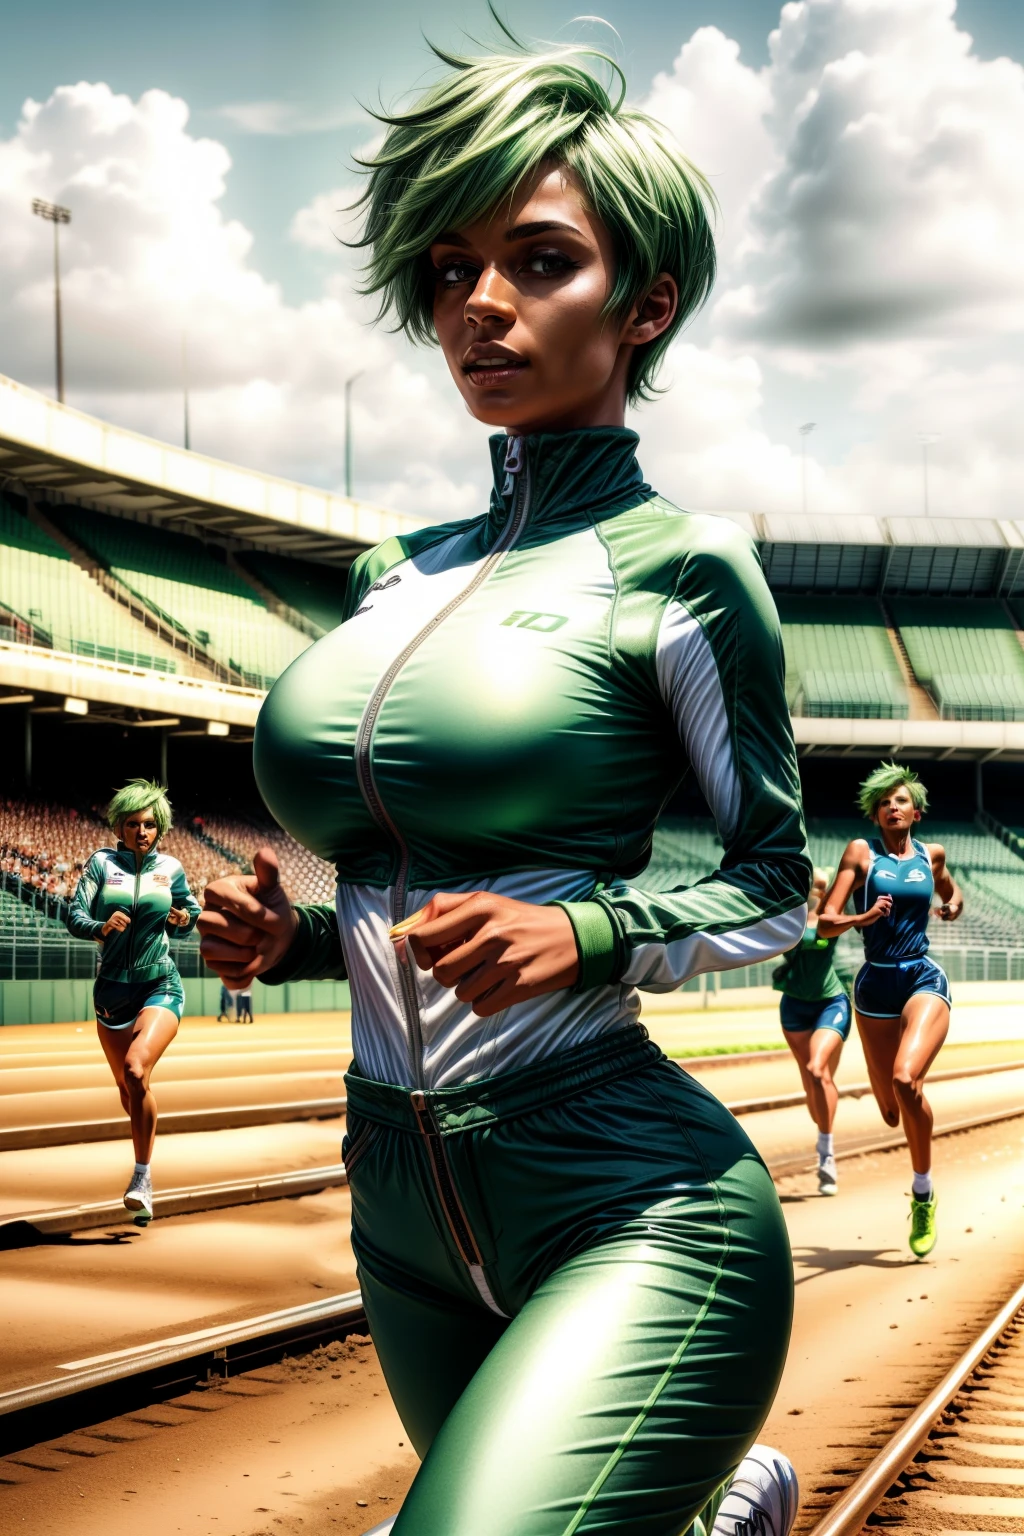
{"x":18,"y":1226}
{"x":24,"y":1137}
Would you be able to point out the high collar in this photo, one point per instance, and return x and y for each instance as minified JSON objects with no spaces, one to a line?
{"x":592,"y":469}
{"x":129,"y":854}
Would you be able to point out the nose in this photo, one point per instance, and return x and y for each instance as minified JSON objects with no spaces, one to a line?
{"x":491,"y":299}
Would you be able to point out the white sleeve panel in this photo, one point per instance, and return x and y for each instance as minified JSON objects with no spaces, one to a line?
{"x":663,"y":967}
{"x":689,"y":683}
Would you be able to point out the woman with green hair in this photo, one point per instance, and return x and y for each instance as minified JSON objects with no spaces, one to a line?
{"x":573,"y":1260}
{"x":127,"y":899}
{"x":901,"y":997}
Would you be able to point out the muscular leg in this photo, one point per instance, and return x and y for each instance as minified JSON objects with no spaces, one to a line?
{"x":924,"y":1024}
{"x":817,"y":1053}
{"x":152,"y":1033}
{"x":115,"y":1043}
{"x":881,"y":1041}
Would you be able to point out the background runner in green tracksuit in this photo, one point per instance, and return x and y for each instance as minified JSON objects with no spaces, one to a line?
{"x":815,"y":1015}
{"x":573,"y":1260}
{"x":127,"y":899}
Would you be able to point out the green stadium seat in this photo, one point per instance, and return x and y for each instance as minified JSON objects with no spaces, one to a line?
{"x":966,"y":653}
{"x":315,"y":591}
{"x":191,"y":589}
{"x":840,"y":663}
{"x":51,"y":601}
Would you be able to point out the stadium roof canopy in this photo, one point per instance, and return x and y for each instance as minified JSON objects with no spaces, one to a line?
{"x":68,"y":455}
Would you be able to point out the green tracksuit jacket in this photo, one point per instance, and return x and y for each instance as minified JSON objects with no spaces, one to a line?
{"x":508,"y":705}
{"x":111,"y":882}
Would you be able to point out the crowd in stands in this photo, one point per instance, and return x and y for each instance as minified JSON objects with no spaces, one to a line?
{"x":44,"y":848}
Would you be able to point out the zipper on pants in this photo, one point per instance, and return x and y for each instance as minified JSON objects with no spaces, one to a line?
{"x":448,"y":1195}
{"x":517,"y":483}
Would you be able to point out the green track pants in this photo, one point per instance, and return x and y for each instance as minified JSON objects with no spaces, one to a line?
{"x":579,"y":1284}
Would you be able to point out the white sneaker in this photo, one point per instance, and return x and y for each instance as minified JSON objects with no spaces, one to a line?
{"x":762,"y":1498}
{"x":138,"y":1198}
{"x":828,"y":1178}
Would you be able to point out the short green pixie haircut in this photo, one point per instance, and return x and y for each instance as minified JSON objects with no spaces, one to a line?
{"x":141,"y":795}
{"x":469,"y":142}
{"x":885,"y":778}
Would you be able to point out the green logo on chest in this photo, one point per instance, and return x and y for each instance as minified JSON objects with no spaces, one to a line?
{"x":547,"y":623}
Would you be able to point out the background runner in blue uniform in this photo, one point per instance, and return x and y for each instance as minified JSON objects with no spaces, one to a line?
{"x":815,"y":1014}
{"x":127,"y":899}
{"x":901,"y":997}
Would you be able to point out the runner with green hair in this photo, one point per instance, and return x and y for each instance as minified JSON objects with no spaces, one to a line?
{"x":127,"y":899}
{"x":901,"y":997}
{"x":573,"y":1260}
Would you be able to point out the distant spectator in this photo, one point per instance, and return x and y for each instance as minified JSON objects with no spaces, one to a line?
{"x":244,"y":1000}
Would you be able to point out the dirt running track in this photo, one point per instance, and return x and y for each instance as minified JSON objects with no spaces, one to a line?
{"x":314,"y":1448}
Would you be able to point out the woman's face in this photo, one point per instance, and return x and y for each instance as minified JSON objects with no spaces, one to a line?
{"x":139,"y":831}
{"x":896,"y":811}
{"x":518,"y":302}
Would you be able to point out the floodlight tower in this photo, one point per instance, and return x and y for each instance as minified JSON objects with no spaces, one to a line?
{"x":57,"y":216}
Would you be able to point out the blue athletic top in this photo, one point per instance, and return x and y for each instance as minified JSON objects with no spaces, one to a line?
{"x":903,"y":934}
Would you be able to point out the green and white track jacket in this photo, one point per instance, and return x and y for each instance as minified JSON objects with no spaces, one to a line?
{"x":508,"y":706}
{"x":111,"y":882}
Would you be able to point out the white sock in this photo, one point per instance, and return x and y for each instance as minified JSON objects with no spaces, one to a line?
{"x":922,"y":1185}
{"x":142,"y":1168}
{"x":825,"y":1148}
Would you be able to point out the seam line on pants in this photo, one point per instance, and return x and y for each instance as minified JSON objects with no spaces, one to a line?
{"x":640,"y":1418}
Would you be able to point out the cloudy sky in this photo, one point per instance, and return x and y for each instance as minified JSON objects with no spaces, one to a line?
{"x":866,"y":154}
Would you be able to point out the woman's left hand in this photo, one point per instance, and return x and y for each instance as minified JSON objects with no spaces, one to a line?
{"x":494,"y":951}
{"x":950,"y":910}
{"x":177,"y":917}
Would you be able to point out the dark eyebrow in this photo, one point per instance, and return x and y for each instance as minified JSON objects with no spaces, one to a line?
{"x":518,"y":232}
{"x":539,"y":227}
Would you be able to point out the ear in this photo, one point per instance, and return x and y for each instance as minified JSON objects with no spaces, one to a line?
{"x":654,"y":313}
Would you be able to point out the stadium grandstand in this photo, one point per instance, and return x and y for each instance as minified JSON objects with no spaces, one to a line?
{"x":149,"y":596}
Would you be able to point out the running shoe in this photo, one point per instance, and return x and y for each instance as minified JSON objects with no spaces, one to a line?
{"x":762,"y":1498}
{"x":138,"y":1198}
{"x":923,"y":1235}
{"x":828,"y":1179}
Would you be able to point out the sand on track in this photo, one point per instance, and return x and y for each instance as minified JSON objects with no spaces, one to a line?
{"x":292,"y":1451}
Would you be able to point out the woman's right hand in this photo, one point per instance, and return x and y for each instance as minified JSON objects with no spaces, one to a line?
{"x":117,"y":922}
{"x":247,"y":923}
{"x":881,"y":908}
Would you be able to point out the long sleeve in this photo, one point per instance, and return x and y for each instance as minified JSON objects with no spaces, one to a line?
{"x":315,"y":953}
{"x":80,"y":921}
{"x":181,"y":896}
{"x":718,"y":668}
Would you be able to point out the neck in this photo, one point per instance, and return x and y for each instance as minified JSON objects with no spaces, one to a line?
{"x":899,"y":840}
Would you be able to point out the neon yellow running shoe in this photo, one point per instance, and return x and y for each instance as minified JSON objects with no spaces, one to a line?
{"x":923,"y":1235}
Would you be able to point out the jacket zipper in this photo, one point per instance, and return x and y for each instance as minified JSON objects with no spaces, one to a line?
{"x":515,"y":466}
{"x":135,"y":905}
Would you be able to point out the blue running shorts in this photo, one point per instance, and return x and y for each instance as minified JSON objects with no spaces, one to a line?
{"x":119,"y":1003}
{"x":798,"y":1017}
{"x":882,"y":991}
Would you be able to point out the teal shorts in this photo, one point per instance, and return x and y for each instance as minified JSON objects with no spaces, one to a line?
{"x":119,"y":1003}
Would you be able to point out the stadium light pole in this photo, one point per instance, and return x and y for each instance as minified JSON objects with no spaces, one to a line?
{"x":926,"y":439}
{"x":184,"y":387}
{"x":805,"y":432}
{"x":57,"y":216}
{"x":348,"y":430}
